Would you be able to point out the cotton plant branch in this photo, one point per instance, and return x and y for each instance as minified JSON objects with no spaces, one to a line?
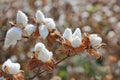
{"x":59,"y":61}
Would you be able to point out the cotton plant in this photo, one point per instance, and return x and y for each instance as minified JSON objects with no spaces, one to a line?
{"x":75,"y":38}
{"x":43,"y":59}
{"x":46,"y":24}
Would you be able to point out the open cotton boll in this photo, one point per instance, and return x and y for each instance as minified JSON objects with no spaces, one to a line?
{"x":67,"y":34}
{"x":50,"y":24}
{"x":43,"y":31}
{"x":13,"y":34}
{"x":21,"y":19}
{"x":29,"y":29}
{"x":39,"y":46}
{"x":95,"y":40}
{"x":44,"y":55}
{"x":76,"y":42}
{"x":11,"y":68}
{"x":40,"y":16}
{"x":77,"y":32}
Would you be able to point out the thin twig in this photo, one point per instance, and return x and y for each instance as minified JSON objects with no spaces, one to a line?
{"x":37,"y":75}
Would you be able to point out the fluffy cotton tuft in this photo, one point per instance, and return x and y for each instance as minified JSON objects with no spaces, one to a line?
{"x":38,"y":47}
{"x":77,"y":32}
{"x":44,"y":55}
{"x":21,"y":19}
{"x":50,"y":24}
{"x":68,"y":34}
{"x":43,"y":31}
{"x":13,"y":34}
{"x":29,"y":29}
{"x":76,"y":42}
{"x":10,"y":68}
{"x":95,"y":40}
{"x":75,"y":38}
{"x":40,"y":16}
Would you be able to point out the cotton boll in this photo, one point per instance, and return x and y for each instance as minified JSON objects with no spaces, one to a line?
{"x":14,"y":68}
{"x":43,"y":31}
{"x":11,"y":68}
{"x":97,"y":17}
{"x":50,"y":24}
{"x":12,"y":36}
{"x":67,"y":34}
{"x":29,"y":29}
{"x":40,"y":16}
{"x":85,"y":15}
{"x":76,"y":42}
{"x":112,"y":19}
{"x":95,"y":40}
{"x":77,"y":32}
{"x":39,"y":46}
{"x":87,"y":29}
{"x":21,"y":19}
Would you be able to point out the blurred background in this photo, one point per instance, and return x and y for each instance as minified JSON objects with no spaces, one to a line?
{"x":91,"y":16}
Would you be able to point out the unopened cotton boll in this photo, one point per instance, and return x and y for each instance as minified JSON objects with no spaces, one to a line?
{"x":10,"y":68}
{"x":50,"y":24}
{"x":13,"y":34}
{"x":67,"y":34}
{"x":38,"y":47}
{"x":95,"y":40}
{"x":29,"y":29}
{"x":44,"y":55}
{"x":40,"y":16}
{"x":21,"y":19}
{"x":43,"y":31}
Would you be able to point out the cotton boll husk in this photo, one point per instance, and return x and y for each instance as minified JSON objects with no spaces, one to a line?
{"x":13,"y":34}
{"x":29,"y":29}
{"x":77,"y":32}
{"x":76,"y":42}
{"x":14,"y":68}
{"x":40,"y":16}
{"x":95,"y":40}
{"x":50,"y":24}
{"x":44,"y":55}
{"x":67,"y":34}
{"x":39,"y":46}
{"x":43,"y":31}
{"x":21,"y":19}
